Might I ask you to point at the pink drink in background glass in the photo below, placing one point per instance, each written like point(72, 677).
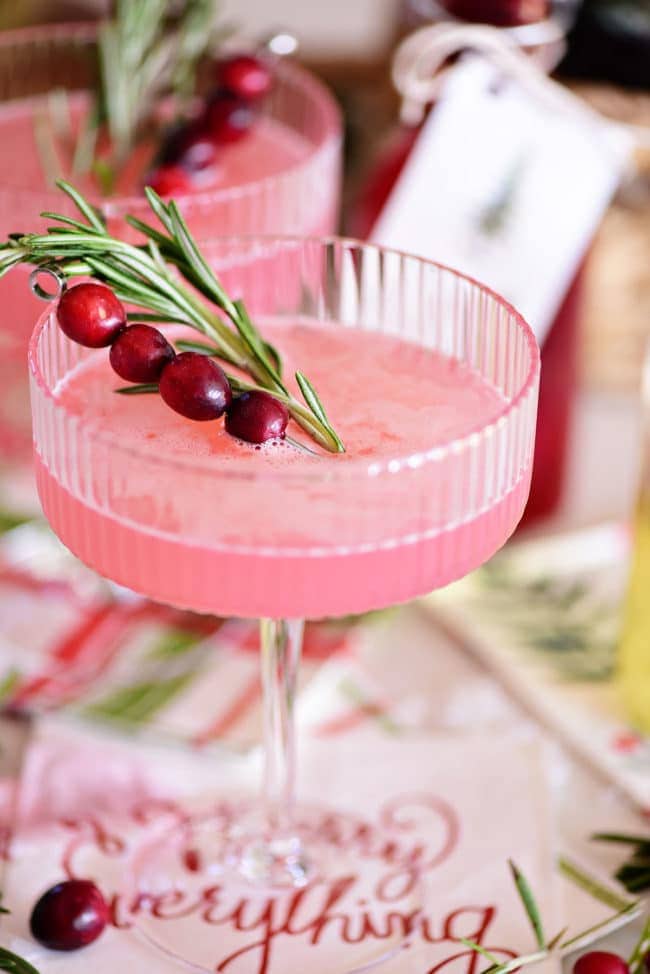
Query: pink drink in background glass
point(431, 380)
point(283, 177)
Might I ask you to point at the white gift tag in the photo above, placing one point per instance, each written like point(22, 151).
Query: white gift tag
point(505, 189)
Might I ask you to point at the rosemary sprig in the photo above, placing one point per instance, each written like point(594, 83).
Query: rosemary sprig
point(559, 945)
point(143, 54)
point(634, 874)
point(156, 276)
point(12, 962)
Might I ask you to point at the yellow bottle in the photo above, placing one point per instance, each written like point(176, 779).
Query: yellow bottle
point(634, 651)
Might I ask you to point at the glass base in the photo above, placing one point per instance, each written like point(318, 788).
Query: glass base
point(218, 894)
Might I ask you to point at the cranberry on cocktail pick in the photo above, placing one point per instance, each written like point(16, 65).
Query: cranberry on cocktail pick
point(69, 915)
point(228, 118)
point(170, 180)
point(195, 386)
point(91, 315)
point(140, 353)
point(245, 76)
point(191, 147)
point(257, 417)
point(600, 962)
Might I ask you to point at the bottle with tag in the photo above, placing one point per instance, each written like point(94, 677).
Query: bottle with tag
point(634, 650)
point(529, 24)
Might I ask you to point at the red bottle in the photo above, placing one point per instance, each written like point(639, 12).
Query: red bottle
point(560, 349)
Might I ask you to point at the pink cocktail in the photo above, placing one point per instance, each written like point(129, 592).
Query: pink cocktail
point(283, 177)
point(431, 381)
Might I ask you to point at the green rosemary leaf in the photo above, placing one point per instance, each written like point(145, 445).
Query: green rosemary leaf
point(480, 950)
point(256, 344)
point(603, 927)
point(642, 949)
point(528, 900)
point(200, 347)
point(274, 355)
point(621, 838)
point(140, 389)
point(70, 221)
point(159, 208)
point(590, 885)
point(311, 398)
point(557, 939)
point(94, 219)
point(197, 261)
point(147, 230)
point(14, 963)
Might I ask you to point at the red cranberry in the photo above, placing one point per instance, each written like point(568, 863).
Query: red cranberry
point(600, 962)
point(70, 915)
point(227, 117)
point(170, 181)
point(191, 147)
point(257, 417)
point(195, 386)
point(245, 76)
point(140, 353)
point(91, 315)
point(500, 13)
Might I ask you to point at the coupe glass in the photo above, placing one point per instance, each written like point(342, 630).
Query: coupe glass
point(301, 198)
point(334, 539)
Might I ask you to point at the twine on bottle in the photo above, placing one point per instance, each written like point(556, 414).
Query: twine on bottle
point(419, 67)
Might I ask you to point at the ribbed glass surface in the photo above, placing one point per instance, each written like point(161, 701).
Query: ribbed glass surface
point(305, 539)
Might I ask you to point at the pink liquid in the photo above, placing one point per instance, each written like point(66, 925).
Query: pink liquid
point(186, 514)
point(270, 148)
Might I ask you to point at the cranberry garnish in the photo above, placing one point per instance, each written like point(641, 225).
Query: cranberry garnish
point(600, 962)
point(70, 915)
point(227, 117)
point(257, 417)
point(500, 13)
point(195, 386)
point(140, 353)
point(245, 76)
point(91, 315)
point(170, 181)
point(191, 147)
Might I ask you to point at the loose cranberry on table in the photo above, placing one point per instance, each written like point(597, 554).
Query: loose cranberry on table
point(245, 76)
point(69, 915)
point(140, 353)
point(91, 315)
point(195, 386)
point(257, 417)
point(227, 117)
point(600, 962)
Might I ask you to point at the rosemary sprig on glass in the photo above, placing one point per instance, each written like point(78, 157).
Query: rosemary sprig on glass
point(156, 276)
point(143, 55)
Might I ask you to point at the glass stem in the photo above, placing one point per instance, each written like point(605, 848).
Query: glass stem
point(281, 644)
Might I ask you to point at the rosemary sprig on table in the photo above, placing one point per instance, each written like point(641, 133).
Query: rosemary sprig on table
point(560, 944)
point(634, 874)
point(15, 964)
point(155, 276)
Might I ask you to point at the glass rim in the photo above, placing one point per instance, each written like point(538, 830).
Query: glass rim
point(353, 467)
point(330, 139)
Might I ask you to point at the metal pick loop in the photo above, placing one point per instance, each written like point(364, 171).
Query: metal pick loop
point(40, 291)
